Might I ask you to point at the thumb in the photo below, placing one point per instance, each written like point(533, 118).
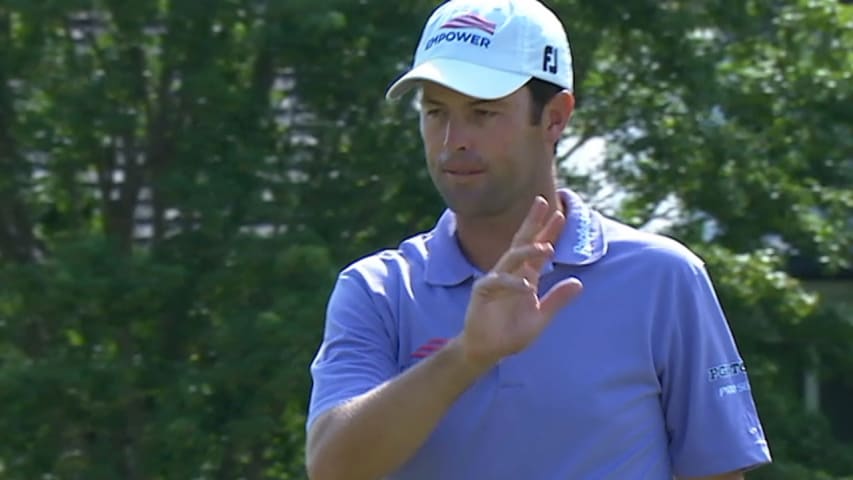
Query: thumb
point(558, 296)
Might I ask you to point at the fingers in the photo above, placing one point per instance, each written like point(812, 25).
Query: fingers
point(558, 296)
point(536, 227)
point(548, 235)
point(551, 232)
point(533, 243)
point(532, 224)
point(502, 281)
point(533, 254)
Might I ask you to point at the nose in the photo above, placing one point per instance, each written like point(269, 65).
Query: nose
point(457, 135)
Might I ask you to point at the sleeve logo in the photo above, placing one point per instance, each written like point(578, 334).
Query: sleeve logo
point(727, 370)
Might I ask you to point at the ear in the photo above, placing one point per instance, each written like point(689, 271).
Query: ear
point(556, 115)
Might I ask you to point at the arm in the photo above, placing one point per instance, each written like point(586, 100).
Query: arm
point(708, 406)
point(376, 432)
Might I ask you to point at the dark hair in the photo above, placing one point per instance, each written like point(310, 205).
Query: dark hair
point(541, 93)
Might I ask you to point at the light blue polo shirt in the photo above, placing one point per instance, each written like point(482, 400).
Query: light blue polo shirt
point(638, 378)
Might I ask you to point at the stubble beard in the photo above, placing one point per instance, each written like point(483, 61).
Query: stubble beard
point(475, 201)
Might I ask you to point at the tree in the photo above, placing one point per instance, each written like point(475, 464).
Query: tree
point(155, 312)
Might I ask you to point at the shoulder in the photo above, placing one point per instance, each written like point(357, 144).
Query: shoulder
point(628, 243)
point(369, 291)
point(378, 269)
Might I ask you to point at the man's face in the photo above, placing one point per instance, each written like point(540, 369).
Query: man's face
point(484, 157)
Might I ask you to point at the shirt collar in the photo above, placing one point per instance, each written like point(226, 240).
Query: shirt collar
point(446, 265)
point(581, 243)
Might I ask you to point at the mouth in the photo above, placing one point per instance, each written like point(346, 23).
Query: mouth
point(464, 172)
point(462, 165)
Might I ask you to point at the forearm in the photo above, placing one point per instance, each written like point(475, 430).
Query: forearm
point(376, 432)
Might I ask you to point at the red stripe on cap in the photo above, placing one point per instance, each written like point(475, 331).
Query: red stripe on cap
point(482, 21)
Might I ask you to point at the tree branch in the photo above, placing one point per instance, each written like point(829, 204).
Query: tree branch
point(585, 137)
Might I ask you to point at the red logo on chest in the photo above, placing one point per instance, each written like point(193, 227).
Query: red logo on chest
point(429, 347)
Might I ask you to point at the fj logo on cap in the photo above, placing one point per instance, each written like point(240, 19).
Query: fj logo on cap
point(549, 60)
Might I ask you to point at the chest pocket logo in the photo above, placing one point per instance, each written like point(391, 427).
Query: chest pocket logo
point(431, 346)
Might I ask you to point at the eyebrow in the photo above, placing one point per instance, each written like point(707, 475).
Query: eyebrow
point(473, 103)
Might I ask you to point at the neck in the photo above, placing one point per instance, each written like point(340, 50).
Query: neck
point(485, 239)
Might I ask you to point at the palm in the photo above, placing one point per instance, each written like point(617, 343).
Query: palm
point(515, 318)
point(505, 313)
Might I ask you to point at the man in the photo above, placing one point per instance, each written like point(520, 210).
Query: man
point(526, 336)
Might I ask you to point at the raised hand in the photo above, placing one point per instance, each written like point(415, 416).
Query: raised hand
point(505, 313)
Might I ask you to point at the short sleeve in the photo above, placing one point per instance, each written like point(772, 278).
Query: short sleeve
point(356, 353)
point(710, 414)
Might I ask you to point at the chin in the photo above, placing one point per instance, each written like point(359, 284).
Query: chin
point(471, 207)
point(471, 201)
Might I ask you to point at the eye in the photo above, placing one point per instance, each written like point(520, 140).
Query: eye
point(485, 113)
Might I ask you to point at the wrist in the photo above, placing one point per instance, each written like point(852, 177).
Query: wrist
point(466, 362)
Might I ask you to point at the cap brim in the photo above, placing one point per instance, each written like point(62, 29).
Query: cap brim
point(464, 77)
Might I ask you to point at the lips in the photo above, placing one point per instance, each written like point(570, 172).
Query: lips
point(464, 171)
point(462, 164)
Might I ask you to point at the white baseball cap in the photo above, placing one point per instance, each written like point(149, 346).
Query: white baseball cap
point(489, 48)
